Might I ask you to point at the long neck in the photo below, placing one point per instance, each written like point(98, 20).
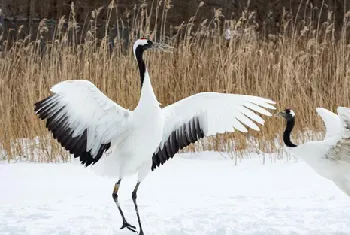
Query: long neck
point(147, 98)
point(287, 132)
point(141, 64)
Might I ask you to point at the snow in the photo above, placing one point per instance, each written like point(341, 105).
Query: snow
point(203, 193)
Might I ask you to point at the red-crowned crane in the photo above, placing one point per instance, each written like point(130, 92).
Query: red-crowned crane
point(87, 123)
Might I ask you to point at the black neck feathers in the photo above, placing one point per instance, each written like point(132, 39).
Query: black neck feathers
point(288, 131)
point(142, 67)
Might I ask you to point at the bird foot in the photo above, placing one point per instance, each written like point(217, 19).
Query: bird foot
point(141, 233)
point(128, 226)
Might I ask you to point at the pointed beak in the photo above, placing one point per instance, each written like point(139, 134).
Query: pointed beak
point(162, 47)
point(280, 114)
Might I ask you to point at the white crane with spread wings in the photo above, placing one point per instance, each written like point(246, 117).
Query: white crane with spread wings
point(87, 123)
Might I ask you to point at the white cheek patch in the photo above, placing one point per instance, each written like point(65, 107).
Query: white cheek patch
point(292, 113)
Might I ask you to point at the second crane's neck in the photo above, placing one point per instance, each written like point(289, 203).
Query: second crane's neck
point(147, 93)
point(287, 133)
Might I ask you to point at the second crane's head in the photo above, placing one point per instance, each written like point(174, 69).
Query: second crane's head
point(287, 114)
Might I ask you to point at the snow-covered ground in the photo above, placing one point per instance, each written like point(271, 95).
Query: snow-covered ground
point(191, 194)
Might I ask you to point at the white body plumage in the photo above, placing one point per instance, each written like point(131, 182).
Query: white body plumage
point(132, 151)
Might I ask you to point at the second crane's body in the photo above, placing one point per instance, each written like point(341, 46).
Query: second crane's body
point(330, 157)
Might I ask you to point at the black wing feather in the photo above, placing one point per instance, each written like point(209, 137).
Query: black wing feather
point(183, 136)
point(63, 134)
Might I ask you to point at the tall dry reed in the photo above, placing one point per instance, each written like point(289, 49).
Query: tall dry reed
point(304, 67)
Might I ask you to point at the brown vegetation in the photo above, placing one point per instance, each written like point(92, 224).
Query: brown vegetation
point(301, 69)
point(267, 13)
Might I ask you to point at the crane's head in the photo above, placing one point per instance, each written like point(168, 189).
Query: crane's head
point(288, 114)
point(144, 44)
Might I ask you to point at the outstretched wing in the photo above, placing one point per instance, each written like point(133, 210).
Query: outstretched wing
point(331, 121)
point(205, 114)
point(337, 138)
point(344, 115)
point(82, 119)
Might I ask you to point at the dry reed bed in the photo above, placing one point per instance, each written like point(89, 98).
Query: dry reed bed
point(303, 70)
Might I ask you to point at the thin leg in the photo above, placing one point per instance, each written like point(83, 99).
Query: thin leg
point(115, 198)
point(134, 196)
